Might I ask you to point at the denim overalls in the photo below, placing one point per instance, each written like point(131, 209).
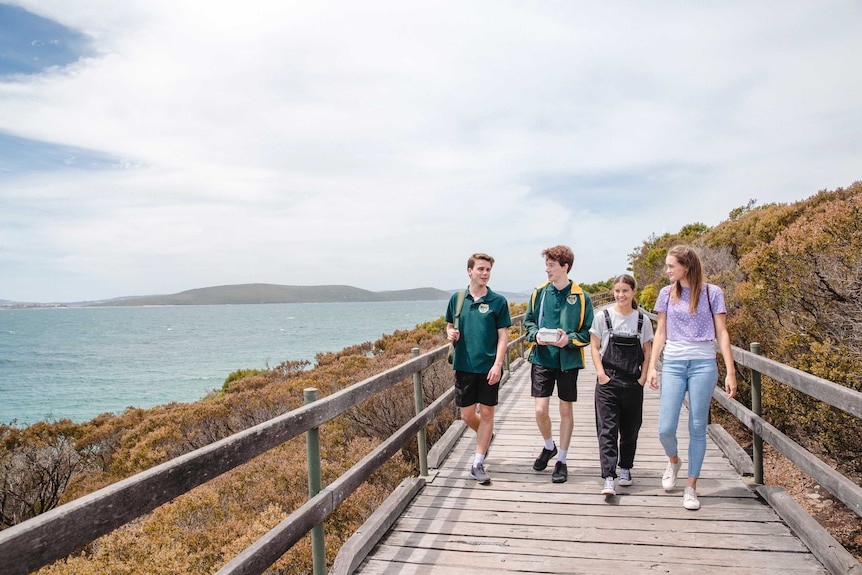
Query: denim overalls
point(619, 402)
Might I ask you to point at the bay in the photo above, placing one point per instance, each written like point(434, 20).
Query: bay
point(79, 362)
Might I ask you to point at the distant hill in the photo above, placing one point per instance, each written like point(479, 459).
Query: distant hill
point(266, 293)
point(272, 293)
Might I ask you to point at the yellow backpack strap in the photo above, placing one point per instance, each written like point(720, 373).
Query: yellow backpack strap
point(532, 344)
point(576, 289)
point(535, 293)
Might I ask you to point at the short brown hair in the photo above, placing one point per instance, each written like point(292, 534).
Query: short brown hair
point(563, 255)
point(471, 261)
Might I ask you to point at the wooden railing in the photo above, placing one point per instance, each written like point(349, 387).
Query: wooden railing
point(602, 298)
point(57, 533)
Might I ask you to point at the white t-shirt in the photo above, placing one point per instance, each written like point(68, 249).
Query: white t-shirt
point(623, 325)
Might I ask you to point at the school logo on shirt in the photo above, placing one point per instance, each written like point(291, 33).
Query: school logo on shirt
point(572, 298)
point(483, 308)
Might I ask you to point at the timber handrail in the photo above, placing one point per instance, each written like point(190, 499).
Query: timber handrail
point(844, 398)
point(55, 534)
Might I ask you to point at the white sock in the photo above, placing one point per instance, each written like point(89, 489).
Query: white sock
point(480, 458)
point(561, 456)
point(549, 444)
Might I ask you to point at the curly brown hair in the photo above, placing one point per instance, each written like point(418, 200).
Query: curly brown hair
point(563, 255)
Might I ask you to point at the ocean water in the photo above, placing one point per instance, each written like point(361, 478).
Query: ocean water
point(77, 362)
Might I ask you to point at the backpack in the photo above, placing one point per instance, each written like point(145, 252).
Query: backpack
point(459, 303)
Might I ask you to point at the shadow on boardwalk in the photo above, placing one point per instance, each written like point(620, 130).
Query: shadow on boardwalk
point(523, 523)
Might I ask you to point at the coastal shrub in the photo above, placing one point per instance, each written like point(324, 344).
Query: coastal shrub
point(36, 465)
point(647, 296)
point(598, 287)
point(239, 374)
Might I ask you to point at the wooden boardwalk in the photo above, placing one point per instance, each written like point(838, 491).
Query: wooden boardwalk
point(523, 523)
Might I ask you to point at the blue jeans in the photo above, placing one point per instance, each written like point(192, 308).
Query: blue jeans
point(697, 377)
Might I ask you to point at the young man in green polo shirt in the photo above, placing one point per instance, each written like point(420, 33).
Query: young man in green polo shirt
point(480, 341)
point(564, 313)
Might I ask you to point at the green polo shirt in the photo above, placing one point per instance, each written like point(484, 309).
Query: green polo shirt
point(476, 350)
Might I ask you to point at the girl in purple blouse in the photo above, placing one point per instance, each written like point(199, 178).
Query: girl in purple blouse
point(691, 317)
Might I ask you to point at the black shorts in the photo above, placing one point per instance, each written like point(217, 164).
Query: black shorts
point(473, 388)
point(544, 378)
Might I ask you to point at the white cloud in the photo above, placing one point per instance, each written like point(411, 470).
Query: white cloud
point(379, 144)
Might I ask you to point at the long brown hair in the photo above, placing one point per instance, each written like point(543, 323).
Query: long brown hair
point(630, 281)
point(688, 258)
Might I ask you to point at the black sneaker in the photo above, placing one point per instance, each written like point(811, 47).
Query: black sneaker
point(544, 457)
point(561, 473)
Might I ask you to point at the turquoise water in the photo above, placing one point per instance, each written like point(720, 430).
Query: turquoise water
point(77, 363)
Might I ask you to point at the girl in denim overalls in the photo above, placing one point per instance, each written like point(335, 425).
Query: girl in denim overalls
point(621, 339)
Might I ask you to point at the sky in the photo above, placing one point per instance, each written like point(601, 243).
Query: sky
point(154, 146)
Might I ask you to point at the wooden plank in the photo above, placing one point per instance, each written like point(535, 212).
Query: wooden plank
point(648, 534)
point(645, 509)
point(734, 452)
point(608, 520)
point(444, 445)
point(579, 488)
point(569, 559)
point(356, 548)
point(575, 567)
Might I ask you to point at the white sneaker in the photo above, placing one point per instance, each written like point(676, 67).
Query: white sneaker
point(668, 480)
point(478, 473)
point(625, 477)
point(608, 489)
point(689, 499)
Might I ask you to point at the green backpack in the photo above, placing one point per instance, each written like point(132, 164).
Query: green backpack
point(458, 305)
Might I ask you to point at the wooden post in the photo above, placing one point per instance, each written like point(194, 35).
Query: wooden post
point(756, 407)
point(420, 405)
point(312, 445)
